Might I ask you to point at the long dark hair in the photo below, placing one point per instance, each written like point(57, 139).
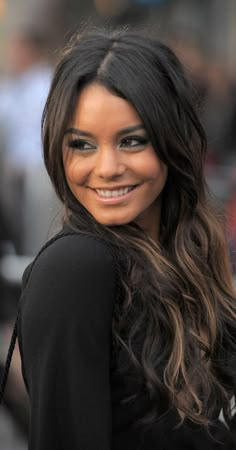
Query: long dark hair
point(181, 288)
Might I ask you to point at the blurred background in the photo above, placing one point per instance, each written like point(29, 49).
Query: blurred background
point(203, 33)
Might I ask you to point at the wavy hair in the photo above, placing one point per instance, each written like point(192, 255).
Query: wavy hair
point(179, 291)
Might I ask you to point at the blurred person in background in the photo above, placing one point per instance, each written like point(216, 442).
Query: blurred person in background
point(214, 93)
point(22, 98)
point(127, 317)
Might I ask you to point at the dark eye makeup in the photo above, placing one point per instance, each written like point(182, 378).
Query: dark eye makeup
point(133, 141)
point(80, 144)
point(129, 142)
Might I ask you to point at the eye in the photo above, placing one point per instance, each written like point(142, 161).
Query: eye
point(80, 145)
point(134, 142)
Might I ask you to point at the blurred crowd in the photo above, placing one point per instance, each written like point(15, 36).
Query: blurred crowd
point(29, 210)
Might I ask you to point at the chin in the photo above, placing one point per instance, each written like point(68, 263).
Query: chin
point(112, 222)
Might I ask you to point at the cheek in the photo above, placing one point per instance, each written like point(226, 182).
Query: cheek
point(71, 173)
point(74, 171)
point(157, 173)
point(150, 168)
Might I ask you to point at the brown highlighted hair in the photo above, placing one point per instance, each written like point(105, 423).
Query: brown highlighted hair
point(177, 293)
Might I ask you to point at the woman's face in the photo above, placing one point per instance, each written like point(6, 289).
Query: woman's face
point(110, 164)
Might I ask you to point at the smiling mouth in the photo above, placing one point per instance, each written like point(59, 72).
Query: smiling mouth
point(112, 193)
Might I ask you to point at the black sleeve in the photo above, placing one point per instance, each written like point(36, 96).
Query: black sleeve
point(65, 342)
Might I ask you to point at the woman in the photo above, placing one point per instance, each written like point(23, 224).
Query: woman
point(127, 316)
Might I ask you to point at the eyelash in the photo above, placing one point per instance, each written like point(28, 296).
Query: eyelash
point(77, 144)
point(141, 141)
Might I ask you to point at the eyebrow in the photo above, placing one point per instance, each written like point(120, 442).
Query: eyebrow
point(119, 133)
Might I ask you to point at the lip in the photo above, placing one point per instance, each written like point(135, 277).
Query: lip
point(114, 188)
point(114, 200)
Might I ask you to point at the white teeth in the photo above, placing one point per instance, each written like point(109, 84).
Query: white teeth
point(108, 193)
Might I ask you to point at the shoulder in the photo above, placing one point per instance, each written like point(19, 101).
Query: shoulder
point(71, 265)
point(73, 280)
point(72, 251)
point(72, 245)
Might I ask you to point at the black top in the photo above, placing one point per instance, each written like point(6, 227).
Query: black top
point(68, 362)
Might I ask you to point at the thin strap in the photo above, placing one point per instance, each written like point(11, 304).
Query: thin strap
point(233, 426)
point(14, 333)
point(8, 361)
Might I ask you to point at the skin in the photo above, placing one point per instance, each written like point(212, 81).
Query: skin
point(100, 153)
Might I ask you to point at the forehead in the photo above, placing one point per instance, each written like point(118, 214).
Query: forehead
point(96, 105)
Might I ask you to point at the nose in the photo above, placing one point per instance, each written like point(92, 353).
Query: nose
point(109, 163)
